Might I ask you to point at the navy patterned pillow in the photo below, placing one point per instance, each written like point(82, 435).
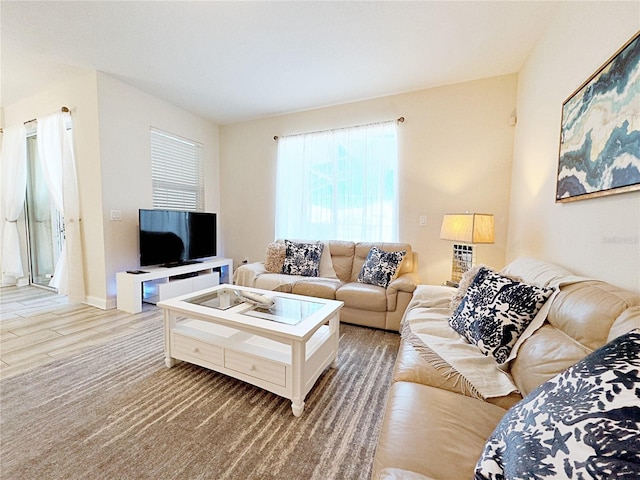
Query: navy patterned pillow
point(583, 423)
point(302, 258)
point(380, 267)
point(495, 311)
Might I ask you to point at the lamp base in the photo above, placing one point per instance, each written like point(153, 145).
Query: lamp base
point(463, 259)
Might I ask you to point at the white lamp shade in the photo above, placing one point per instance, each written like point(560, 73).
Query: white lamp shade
point(468, 228)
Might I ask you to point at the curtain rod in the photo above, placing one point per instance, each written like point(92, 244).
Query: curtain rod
point(398, 120)
point(63, 109)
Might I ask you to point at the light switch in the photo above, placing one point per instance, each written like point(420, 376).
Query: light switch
point(423, 220)
point(116, 215)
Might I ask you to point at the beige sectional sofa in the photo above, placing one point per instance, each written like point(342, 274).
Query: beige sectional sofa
point(364, 304)
point(435, 427)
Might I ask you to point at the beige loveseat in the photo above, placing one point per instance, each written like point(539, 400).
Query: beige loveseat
point(364, 304)
point(433, 426)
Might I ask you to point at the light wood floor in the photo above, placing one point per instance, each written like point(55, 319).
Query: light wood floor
point(37, 326)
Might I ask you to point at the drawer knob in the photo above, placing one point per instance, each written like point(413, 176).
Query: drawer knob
point(195, 349)
point(252, 368)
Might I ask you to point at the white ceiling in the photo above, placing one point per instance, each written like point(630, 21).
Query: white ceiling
point(236, 60)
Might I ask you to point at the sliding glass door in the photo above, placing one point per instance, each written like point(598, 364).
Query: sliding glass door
point(45, 229)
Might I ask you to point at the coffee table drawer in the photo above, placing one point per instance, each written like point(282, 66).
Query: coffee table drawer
point(183, 346)
point(257, 367)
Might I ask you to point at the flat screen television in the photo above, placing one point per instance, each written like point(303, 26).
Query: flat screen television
point(175, 237)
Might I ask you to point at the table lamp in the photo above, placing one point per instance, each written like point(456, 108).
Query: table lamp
point(466, 229)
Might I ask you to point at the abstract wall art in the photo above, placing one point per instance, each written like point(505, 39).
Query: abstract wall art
point(600, 132)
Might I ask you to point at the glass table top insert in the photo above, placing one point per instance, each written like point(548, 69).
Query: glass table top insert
point(283, 310)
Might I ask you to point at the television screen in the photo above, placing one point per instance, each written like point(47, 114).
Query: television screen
point(174, 237)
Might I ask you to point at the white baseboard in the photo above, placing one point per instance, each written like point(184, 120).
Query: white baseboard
point(101, 302)
point(9, 281)
point(111, 303)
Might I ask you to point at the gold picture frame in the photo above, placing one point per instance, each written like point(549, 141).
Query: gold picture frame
point(600, 131)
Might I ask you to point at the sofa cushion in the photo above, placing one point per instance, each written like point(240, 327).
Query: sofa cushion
point(537, 272)
point(363, 296)
point(585, 310)
point(317, 287)
point(277, 282)
point(627, 321)
point(584, 315)
point(342, 253)
point(495, 311)
point(426, 327)
point(410, 366)
point(380, 267)
point(326, 270)
point(302, 258)
point(433, 432)
point(274, 258)
point(543, 356)
point(583, 423)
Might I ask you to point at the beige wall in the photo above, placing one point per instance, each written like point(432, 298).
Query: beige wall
point(594, 237)
point(455, 155)
point(126, 116)
point(81, 97)
point(111, 123)
point(456, 150)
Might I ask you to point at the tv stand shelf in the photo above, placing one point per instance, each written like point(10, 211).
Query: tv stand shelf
point(171, 281)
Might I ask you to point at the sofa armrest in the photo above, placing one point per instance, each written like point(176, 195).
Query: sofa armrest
point(245, 275)
point(407, 282)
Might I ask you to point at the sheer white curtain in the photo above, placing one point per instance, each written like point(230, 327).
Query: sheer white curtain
point(14, 185)
point(55, 151)
point(339, 184)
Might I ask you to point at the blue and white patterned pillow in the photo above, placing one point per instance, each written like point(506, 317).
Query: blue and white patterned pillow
point(302, 258)
point(495, 311)
point(380, 267)
point(583, 423)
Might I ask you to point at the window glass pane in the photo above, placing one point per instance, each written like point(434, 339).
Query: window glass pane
point(45, 224)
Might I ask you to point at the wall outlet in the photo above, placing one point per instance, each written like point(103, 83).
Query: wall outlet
point(116, 215)
point(422, 221)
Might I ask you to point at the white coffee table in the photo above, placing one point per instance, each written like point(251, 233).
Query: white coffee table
point(283, 349)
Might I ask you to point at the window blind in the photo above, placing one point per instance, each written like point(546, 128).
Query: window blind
point(176, 172)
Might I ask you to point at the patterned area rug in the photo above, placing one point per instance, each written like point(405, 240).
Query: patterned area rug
point(117, 412)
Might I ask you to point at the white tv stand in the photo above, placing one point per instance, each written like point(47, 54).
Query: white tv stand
point(168, 282)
